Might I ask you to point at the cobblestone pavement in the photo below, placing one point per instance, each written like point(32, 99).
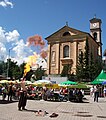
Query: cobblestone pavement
point(88, 110)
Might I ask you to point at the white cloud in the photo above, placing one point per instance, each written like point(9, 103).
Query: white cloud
point(2, 51)
point(6, 3)
point(21, 51)
point(12, 36)
point(2, 35)
point(10, 39)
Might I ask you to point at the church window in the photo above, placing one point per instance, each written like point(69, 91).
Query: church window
point(66, 51)
point(66, 33)
point(53, 56)
point(95, 36)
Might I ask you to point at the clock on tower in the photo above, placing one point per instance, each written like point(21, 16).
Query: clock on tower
point(95, 31)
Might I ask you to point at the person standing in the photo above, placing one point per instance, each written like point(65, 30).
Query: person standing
point(92, 91)
point(96, 93)
point(10, 92)
point(23, 96)
point(104, 92)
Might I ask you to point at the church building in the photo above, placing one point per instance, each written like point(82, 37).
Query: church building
point(65, 45)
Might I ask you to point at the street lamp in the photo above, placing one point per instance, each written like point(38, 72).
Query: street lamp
point(8, 62)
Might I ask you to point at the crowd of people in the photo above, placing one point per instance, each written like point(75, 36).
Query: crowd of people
point(22, 92)
point(15, 91)
point(95, 92)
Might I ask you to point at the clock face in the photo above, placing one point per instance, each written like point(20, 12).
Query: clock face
point(94, 24)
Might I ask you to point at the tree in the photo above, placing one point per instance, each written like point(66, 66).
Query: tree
point(2, 68)
point(66, 72)
point(87, 68)
point(92, 68)
point(39, 73)
point(22, 69)
point(86, 60)
point(80, 67)
point(13, 69)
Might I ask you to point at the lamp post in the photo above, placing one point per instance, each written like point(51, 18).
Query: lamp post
point(8, 63)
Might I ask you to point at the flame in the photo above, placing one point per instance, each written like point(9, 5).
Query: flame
point(31, 61)
point(26, 69)
point(35, 40)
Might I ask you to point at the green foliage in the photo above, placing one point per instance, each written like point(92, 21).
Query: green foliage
point(86, 60)
point(3, 68)
point(80, 67)
point(11, 69)
point(16, 71)
point(39, 73)
point(87, 68)
point(66, 70)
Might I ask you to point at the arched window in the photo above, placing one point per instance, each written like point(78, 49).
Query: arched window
point(66, 33)
point(95, 36)
point(66, 51)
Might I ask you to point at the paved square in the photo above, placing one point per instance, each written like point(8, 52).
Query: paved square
point(88, 110)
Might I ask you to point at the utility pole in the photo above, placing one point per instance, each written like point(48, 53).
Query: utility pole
point(8, 62)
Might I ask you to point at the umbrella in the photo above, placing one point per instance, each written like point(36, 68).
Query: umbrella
point(96, 82)
point(43, 82)
point(100, 78)
point(28, 82)
point(104, 83)
point(11, 81)
point(67, 83)
point(4, 81)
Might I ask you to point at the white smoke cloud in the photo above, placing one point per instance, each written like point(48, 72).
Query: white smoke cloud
point(6, 3)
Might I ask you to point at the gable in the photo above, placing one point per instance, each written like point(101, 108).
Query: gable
point(66, 31)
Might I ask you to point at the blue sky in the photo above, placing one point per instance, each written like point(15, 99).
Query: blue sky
point(20, 19)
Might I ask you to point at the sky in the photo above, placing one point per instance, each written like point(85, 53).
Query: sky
point(21, 19)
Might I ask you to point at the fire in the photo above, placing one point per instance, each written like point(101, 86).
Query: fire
point(35, 40)
point(26, 69)
point(31, 61)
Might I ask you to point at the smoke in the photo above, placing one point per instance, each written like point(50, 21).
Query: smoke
point(36, 40)
point(43, 54)
point(35, 59)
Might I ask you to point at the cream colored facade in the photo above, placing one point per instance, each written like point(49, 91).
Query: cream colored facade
point(64, 47)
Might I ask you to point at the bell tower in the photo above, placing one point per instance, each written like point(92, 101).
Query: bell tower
point(95, 31)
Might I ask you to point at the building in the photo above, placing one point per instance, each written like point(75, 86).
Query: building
point(65, 45)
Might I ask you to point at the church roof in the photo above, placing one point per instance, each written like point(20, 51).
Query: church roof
point(68, 30)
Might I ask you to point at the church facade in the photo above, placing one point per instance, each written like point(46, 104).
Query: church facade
point(65, 45)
